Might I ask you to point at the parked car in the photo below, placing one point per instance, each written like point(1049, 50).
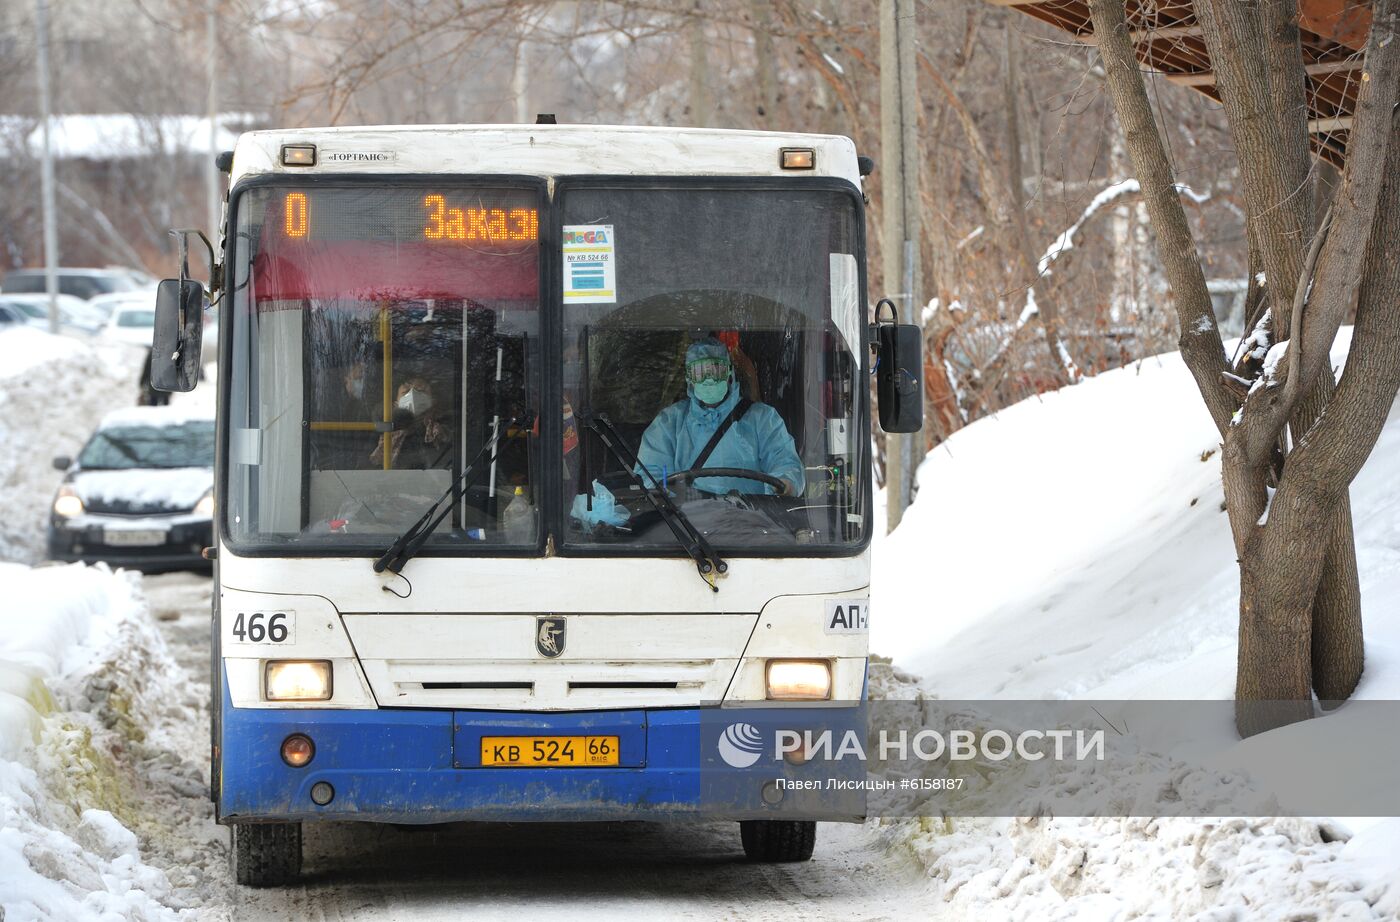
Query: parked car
point(209, 351)
point(106, 304)
point(11, 316)
point(132, 324)
point(72, 312)
point(140, 493)
point(80, 283)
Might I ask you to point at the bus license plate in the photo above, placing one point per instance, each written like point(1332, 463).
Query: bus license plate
point(548, 751)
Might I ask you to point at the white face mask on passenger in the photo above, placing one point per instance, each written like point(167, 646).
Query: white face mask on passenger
point(416, 402)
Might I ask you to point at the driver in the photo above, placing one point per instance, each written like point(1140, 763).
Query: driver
point(756, 440)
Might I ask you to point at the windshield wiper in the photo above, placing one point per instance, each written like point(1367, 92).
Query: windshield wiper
point(707, 562)
point(409, 543)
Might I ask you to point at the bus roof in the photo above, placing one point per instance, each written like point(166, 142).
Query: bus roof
point(543, 150)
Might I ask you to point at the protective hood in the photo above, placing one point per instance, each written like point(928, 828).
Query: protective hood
point(724, 396)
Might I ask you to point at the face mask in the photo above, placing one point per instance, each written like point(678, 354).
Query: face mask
point(356, 386)
point(711, 393)
point(415, 401)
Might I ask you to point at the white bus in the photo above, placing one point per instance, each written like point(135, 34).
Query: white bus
point(540, 446)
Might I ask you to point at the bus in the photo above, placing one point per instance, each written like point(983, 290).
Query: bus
point(543, 450)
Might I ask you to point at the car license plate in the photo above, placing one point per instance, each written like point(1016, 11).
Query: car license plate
point(548, 751)
point(117, 537)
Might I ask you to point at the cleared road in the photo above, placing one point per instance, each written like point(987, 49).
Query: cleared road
point(524, 871)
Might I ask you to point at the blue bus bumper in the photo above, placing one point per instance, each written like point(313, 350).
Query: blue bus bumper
point(423, 766)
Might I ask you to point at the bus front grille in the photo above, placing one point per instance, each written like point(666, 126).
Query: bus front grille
point(491, 661)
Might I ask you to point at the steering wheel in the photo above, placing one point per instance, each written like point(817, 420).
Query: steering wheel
point(620, 479)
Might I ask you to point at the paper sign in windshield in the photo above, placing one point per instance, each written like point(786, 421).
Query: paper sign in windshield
point(590, 264)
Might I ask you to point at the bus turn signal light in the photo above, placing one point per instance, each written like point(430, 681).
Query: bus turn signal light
point(297, 750)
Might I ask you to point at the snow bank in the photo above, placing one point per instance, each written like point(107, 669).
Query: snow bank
point(79, 656)
point(27, 348)
point(1146, 868)
point(1074, 546)
point(1078, 549)
point(53, 391)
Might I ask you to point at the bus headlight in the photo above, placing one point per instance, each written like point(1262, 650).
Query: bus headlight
point(67, 503)
point(205, 506)
point(799, 680)
point(297, 680)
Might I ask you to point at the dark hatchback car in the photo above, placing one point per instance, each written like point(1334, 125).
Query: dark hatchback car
point(140, 493)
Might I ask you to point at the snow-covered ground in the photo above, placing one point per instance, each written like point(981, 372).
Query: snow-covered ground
point(53, 391)
point(1080, 551)
point(88, 697)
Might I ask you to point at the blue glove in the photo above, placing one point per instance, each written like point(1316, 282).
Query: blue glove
point(605, 509)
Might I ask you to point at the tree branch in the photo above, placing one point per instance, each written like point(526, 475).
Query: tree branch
point(1330, 455)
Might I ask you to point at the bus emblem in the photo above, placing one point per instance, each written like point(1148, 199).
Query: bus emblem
point(549, 636)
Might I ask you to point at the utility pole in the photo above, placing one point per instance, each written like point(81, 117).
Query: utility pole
point(899, 149)
point(211, 171)
point(46, 182)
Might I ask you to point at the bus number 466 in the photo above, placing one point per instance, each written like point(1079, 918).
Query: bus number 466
point(259, 627)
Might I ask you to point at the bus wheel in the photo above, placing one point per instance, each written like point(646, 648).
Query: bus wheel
point(772, 841)
point(266, 854)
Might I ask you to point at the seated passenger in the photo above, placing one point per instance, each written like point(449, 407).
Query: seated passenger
point(420, 440)
point(757, 441)
point(348, 400)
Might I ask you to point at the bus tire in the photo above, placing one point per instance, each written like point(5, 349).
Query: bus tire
point(266, 854)
point(773, 841)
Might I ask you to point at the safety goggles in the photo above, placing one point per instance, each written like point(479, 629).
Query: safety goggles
point(707, 369)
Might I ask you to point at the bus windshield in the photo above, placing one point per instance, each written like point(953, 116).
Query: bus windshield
point(387, 337)
point(716, 328)
point(384, 337)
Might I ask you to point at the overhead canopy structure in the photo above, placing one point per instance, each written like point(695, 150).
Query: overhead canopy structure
point(1168, 39)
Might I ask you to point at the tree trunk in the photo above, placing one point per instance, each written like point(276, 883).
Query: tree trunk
point(1337, 644)
point(1299, 600)
point(699, 89)
point(764, 62)
point(1272, 685)
point(1282, 217)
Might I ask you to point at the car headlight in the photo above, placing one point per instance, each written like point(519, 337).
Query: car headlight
point(297, 680)
point(205, 506)
point(67, 503)
point(799, 679)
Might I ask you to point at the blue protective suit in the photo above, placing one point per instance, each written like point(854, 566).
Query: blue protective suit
point(758, 442)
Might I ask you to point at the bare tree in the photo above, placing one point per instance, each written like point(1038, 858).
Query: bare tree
point(1287, 499)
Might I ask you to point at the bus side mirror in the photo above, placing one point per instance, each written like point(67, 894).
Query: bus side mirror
point(178, 335)
point(899, 372)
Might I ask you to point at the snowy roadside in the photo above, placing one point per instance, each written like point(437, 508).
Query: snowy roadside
point(1080, 552)
point(1162, 867)
point(53, 391)
point(99, 747)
